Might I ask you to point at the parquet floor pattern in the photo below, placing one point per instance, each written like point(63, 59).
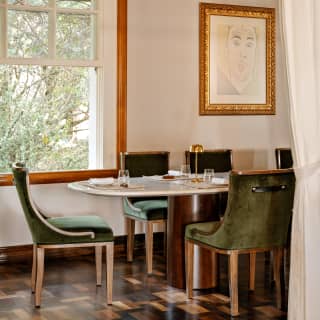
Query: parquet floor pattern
point(70, 293)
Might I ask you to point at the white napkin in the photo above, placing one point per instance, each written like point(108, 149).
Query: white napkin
point(217, 180)
point(103, 181)
point(174, 173)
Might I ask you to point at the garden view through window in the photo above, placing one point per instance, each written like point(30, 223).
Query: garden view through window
point(48, 83)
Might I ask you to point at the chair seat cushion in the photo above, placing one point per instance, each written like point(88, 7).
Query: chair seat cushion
point(153, 209)
point(103, 232)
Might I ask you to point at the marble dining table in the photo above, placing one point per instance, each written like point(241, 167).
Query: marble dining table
point(188, 202)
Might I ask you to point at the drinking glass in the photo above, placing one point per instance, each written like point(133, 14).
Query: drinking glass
point(123, 178)
point(185, 170)
point(208, 175)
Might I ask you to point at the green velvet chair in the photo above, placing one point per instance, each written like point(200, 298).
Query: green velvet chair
point(284, 161)
point(218, 159)
point(146, 210)
point(283, 158)
point(256, 220)
point(62, 232)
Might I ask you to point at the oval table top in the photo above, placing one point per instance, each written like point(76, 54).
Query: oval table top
point(149, 187)
point(188, 202)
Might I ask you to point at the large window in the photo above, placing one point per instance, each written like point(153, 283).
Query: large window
point(52, 84)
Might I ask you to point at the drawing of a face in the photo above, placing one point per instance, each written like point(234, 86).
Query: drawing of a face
point(241, 55)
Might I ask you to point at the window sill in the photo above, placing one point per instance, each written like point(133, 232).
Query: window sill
point(60, 176)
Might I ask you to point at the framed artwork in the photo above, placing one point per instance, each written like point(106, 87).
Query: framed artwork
point(237, 60)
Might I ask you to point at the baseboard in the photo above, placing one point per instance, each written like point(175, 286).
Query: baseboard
point(24, 252)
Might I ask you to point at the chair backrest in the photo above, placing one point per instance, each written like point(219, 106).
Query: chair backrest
point(283, 158)
point(145, 163)
point(259, 210)
point(33, 216)
point(220, 160)
point(42, 230)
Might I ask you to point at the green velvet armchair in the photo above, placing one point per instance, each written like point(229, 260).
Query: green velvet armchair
point(146, 210)
point(256, 219)
point(284, 161)
point(62, 232)
point(283, 158)
point(219, 159)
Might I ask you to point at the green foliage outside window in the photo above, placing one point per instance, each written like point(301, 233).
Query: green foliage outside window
point(44, 114)
point(44, 110)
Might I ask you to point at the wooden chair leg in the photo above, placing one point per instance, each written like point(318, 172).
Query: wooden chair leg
point(39, 276)
point(252, 271)
point(278, 273)
point(149, 245)
point(130, 238)
point(272, 262)
point(34, 269)
point(98, 254)
point(165, 239)
point(189, 256)
point(282, 267)
point(109, 276)
point(286, 262)
point(233, 283)
point(215, 271)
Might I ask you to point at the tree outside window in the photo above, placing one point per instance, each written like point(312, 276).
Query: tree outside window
point(48, 74)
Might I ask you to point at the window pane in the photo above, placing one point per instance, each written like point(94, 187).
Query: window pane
point(2, 32)
point(75, 36)
point(27, 34)
point(75, 4)
point(44, 116)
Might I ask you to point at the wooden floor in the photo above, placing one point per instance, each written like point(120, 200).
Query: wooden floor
point(70, 293)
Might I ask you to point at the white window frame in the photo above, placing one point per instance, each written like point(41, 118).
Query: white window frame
point(103, 122)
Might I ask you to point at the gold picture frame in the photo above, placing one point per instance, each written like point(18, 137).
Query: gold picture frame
point(237, 60)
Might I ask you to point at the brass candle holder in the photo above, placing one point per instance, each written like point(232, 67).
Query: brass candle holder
point(196, 148)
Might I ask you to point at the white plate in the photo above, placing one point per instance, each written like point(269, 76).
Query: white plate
point(222, 181)
point(101, 181)
point(113, 186)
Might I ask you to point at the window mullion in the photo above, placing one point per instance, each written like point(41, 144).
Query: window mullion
point(100, 111)
point(99, 26)
point(76, 11)
point(3, 31)
point(51, 62)
point(52, 29)
point(26, 8)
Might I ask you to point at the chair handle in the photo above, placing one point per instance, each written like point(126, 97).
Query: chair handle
point(21, 167)
point(90, 234)
point(196, 231)
point(269, 188)
point(131, 206)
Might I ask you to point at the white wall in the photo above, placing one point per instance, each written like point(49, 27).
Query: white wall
point(163, 92)
point(163, 112)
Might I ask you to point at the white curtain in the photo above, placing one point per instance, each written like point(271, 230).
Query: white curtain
point(301, 35)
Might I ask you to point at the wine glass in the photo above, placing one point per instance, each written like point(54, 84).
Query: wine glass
point(208, 175)
point(123, 178)
point(185, 170)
